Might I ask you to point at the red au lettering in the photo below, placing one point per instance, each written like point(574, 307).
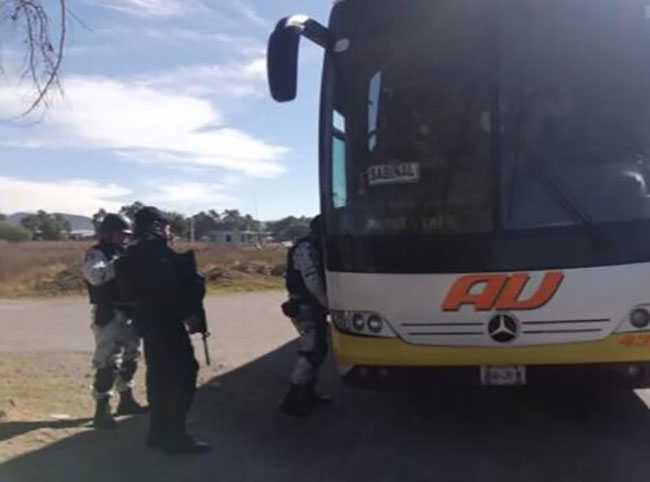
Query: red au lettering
point(501, 292)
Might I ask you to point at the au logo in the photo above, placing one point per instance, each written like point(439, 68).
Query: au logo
point(501, 291)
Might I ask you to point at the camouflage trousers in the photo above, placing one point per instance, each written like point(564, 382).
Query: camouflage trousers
point(311, 324)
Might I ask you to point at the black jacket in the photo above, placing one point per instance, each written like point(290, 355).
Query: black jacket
point(152, 277)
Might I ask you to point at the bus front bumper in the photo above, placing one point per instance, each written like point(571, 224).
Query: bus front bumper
point(587, 376)
point(621, 360)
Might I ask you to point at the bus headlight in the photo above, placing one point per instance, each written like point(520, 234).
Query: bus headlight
point(339, 320)
point(362, 323)
point(375, 323)
point(358, 323)
point(640, 318)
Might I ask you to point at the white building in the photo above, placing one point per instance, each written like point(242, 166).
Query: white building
point(239, 238)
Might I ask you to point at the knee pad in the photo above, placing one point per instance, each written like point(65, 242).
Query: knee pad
point(104, 379)
point(128, 369)
point(303, 371)
point(308, 341)
point(310, 356)
point(314, 348)
point(320, 350)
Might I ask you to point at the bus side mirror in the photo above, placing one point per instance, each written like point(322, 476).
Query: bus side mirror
point(282, 55)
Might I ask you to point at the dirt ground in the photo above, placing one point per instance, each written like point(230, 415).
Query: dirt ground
point(46, 352)
point(442, 434)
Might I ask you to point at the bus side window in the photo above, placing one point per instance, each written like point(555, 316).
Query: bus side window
point(339, 164)
point(374, 91)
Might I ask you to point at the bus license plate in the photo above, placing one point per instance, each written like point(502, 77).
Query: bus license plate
point(503, 375)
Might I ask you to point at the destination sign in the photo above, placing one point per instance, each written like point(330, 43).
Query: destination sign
point(393, 173)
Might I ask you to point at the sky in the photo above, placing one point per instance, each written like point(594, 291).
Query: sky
point(165, 102)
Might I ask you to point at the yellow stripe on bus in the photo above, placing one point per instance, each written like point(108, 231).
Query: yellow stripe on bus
point(358, 350)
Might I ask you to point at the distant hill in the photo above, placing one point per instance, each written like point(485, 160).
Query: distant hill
point(16, 217)
point(77, 223)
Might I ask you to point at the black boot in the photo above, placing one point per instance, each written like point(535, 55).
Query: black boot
point(317, 399)
point(296, 402)
point(103, 419)
point(184, 445)
point(157, 429)
point(128, 405)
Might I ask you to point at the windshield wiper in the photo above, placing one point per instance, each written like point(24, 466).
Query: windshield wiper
point(535, 163)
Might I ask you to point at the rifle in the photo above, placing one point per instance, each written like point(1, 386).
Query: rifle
point(194, 285)
point(206, 351)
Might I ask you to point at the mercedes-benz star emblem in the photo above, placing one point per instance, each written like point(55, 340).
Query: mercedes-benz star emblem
point(503, 328)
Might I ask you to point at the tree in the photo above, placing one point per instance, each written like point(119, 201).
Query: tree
point(289, 228)
point(43, 51)
point(3, 217)
point(205, 223)
point(11, 232)
point(98, 217)
point(130, 210)
point(250, 224)
point(50, 227)
point(231, 220)
point(178, 224)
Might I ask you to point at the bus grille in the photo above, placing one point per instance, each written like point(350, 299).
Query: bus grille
point(529, 332)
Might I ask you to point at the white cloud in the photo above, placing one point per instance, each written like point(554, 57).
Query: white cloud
point(232, 13)
point(145, 123)
point(236, 79)
point(189, 191)
point(74, 196)
point(236, 15)
point(236, 45)
point(191, 195)
point(251, 168)
point(256, 68)
point(150, 8)
point(247, 11)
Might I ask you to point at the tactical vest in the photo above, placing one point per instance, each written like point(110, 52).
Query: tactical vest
point(293, 279)
point(104, 296)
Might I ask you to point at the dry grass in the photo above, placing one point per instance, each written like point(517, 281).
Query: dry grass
point(24, 265)
point(53, 268)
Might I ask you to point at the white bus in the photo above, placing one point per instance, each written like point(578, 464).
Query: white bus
point(484, 179)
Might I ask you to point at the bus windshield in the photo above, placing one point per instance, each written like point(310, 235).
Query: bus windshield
point(473, 117)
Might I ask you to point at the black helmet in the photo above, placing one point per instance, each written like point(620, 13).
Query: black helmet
point(113, 223)
point(146, 217)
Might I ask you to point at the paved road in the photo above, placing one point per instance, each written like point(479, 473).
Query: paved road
point(243, 326)
point(442, 435)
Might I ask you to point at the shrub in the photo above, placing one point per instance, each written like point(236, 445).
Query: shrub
point(10, 232)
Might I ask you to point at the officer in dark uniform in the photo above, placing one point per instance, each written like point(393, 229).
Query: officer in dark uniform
point(117, 345)
point(166, 307)
point(307, 308)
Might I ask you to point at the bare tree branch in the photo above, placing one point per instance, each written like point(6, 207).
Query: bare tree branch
point(43, 57)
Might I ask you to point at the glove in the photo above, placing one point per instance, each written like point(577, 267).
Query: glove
point(289, 309)
point(196, 323)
